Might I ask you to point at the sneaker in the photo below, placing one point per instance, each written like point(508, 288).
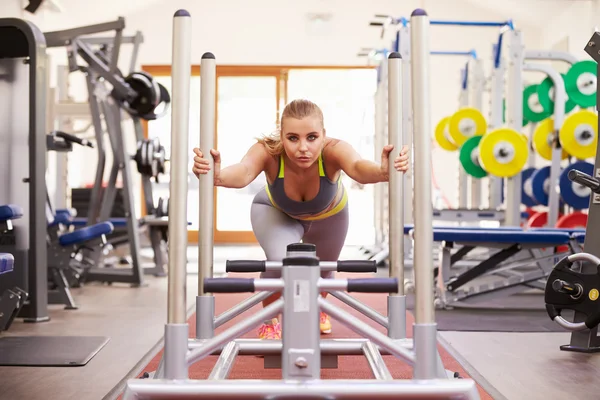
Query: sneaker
point(325, 323)
point(270, 331)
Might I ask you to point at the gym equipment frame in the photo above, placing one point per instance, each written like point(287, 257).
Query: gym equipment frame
point(23, 161)
point(109, 106)
point(301, 349)
point(584, 327)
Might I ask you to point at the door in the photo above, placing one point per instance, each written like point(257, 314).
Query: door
point(247, 108)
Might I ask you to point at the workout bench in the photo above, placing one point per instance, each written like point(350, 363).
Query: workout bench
point(523, 260)
point(64, 252)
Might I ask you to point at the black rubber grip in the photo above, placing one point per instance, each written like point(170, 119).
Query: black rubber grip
point(304, 247)
point(584, 179)
point(552, 312)
point(356, 266)
point(376, 23)
point(228, 285)
point(592, 321)
point(373, 285)
point(245, 266)
point(73, 139)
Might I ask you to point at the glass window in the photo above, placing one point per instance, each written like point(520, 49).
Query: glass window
point(347, 98)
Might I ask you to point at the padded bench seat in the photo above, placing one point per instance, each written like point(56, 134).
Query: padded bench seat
point(122, 222)
point(85, 234)
point(409, 227)
point(10, 211)
point(7, 262)
point(542, 237)
point(579, 236)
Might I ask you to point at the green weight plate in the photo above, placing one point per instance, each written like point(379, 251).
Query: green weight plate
point(532, 109)
point(580, 83)
point(545, 91)
point(469, 157)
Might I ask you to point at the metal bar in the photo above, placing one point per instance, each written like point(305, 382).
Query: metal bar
point(137, 41)
point(376, 363)
point(551, 55)
point(115, 51)
point(396, 182)
point(225, 362)
point(90, 57)
point(360, 307)
point(500, 24)
point(178, 186)
point(273, 285)
point(514, 120)
point(110, 39)
point(459, 389)
point(368, 332)
point(326, 285)
point(425, 328)
point(239, 308)
point(340, 347)
point(471, 53)
point(235, 331)
point(61, 38)
point(423, 212)
point(208, 89)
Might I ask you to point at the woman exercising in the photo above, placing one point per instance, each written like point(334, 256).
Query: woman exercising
point(304, 198)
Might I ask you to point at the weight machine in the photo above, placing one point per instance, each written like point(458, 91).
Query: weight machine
point(300, 349)
point(23, 162)
point(574, 283)
point(111, 93)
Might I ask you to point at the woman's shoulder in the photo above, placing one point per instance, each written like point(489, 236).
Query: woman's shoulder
point(332, 146)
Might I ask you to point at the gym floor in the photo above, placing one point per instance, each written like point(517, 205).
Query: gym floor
point(507, 365)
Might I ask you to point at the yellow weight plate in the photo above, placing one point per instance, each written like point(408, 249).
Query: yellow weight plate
point(579, 134)
point(465, 123)
point(442, 136)
point(542, 139)
point(503, 152)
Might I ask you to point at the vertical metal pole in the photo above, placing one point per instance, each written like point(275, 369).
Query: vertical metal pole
point(177, 330)
point(205, 302)
point(463, 178)
point(476, 84)
point(62, 195)
point(380, 109)
point(407, 122)
point(425, 328)
point(396, 303)
point(514, 119)
point(496, 121)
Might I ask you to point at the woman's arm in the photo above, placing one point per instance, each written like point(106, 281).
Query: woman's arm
point(361, 170)
point(365, 171)
point(240, 175)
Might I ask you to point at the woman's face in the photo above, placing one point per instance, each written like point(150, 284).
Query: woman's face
point(302, 140)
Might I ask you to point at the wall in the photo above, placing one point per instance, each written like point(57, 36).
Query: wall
point(576, 21)
point(277, 32)
point(11, 8)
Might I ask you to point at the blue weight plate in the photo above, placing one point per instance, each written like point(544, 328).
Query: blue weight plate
point(573, 194)
point(538, 179)
point(526, 200)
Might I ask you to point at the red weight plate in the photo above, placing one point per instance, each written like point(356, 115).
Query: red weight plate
point(573, 220)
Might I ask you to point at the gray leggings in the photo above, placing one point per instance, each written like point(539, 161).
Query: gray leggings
point(274, 230)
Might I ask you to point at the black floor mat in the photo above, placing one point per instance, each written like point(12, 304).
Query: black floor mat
point(49, 351)
point(517, 313)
